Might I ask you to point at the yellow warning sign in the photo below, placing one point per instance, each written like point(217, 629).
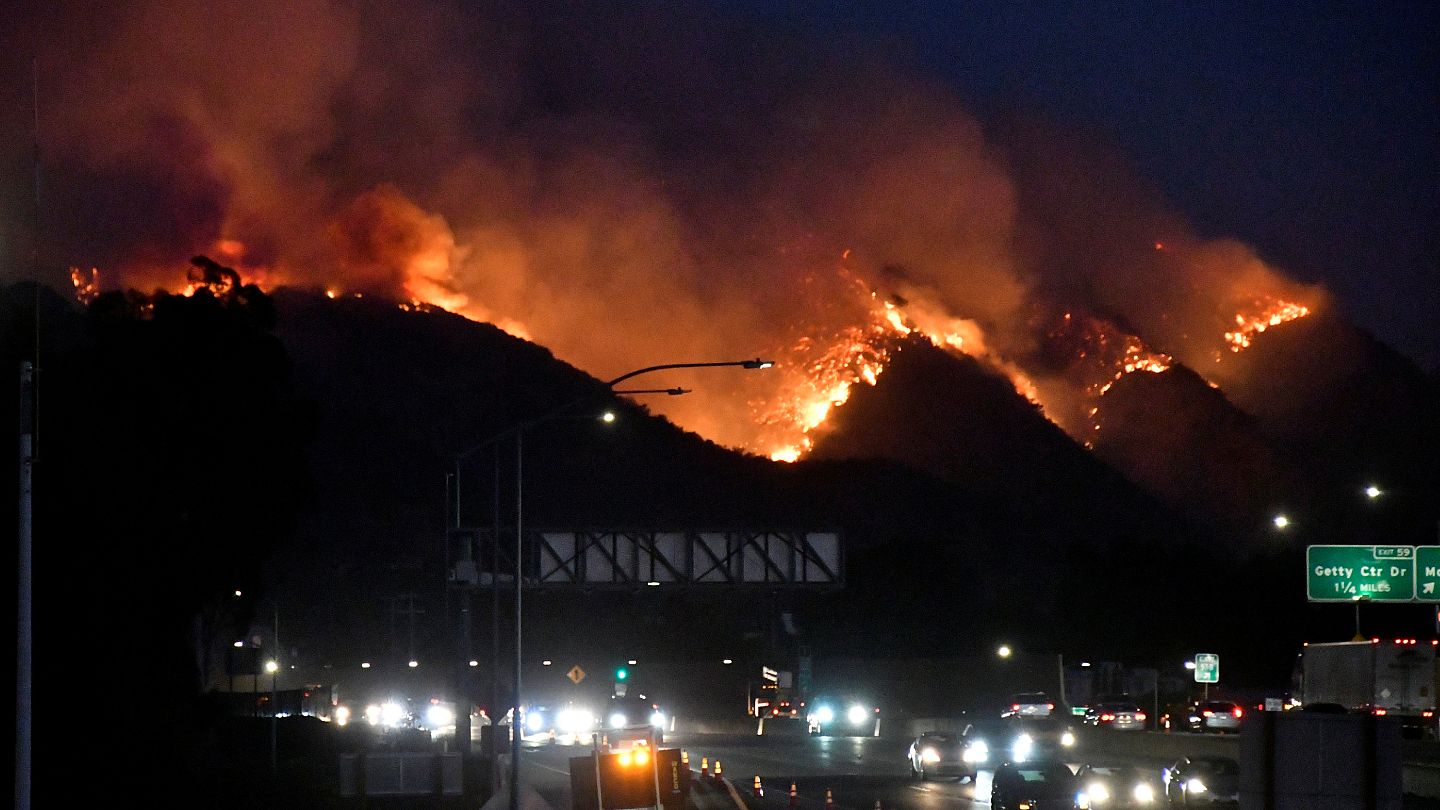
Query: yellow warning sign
point(576, 674)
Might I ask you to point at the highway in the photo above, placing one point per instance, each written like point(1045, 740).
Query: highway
point(858, 772)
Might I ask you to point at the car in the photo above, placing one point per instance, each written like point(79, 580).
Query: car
point(569, 723)
point(843, 716)
point(1219, 716)
point(945, 753)
point(1021, 739)
point(635, 718)
point(1029, 704)
point(1103, 786)
point(1120, 715)
point(1038, 785)
point(1202, 782)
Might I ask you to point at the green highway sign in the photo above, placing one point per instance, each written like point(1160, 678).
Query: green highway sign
point(1207, 668)
point(1427, 573)
point(1351, 573)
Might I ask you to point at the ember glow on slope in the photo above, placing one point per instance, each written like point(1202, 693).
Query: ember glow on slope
point(654, 206)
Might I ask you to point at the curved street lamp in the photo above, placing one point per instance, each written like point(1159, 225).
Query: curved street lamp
point(518, 431)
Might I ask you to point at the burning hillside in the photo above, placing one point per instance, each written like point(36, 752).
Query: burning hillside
point(818, 219)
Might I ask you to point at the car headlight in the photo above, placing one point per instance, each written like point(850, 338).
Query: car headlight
point(372, 714)
point(618, 720)
point(1021, 749)
point(658, 719)
point(1195, 786)
point(574, 721)
point(437, 716)
point(823, 714)
point(391, 714)
point(534, 721)
point(1143, 793)
point(977, 751)
point(1097, 793)
point(856, 714)
point(1067, 739)
point(930, 755)
point(342, 715)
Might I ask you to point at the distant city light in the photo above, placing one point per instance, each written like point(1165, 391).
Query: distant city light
point(631, 662)
point(1281, 521)
point(1372, 492)
point(607, 417)
point(271, 667)
point(239, 644)
point(1189, 664)
point(237, 591)
point(652, 583)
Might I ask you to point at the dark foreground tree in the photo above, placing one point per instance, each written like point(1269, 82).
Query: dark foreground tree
point(171, 465)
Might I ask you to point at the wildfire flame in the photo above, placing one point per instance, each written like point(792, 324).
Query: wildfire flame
point(1271, 313)
point(87, 284)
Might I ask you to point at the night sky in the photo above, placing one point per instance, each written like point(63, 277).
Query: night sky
point(1310, 131)
point(1306, 131)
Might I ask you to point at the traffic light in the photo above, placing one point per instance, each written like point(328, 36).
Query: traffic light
point(621, 673)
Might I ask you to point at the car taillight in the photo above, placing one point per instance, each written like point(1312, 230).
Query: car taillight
point(1206, 713)
point(1428, 713)
point(1050, 706)
point(1239, 712)
point(1107, 717)
point(1139, 715)
point(1381, 712)
point(1015, 707)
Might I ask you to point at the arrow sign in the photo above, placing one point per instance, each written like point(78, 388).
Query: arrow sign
point(576, 674)
point(769, 674)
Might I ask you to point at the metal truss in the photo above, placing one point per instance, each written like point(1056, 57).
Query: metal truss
point(635, 559)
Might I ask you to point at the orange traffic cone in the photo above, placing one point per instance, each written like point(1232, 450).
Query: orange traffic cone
point(685, 758)
point(759, 791)
point(704, 767)
point(793, 799)
point(719, 772)
point(829, 800)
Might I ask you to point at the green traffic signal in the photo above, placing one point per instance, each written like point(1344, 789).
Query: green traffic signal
point(621, 674)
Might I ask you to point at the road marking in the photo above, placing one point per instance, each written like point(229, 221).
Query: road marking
point(739, 802)
point(548, 768)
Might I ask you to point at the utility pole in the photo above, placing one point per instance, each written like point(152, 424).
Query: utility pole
point(24, 642)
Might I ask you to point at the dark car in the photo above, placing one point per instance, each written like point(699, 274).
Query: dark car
point(1121, 715)
point(939, 753)
point(1019, 739)
point(1203, 782)
point(1100, 787)
point(1029, 704)
point(1219, 716)
point(1037, 785)
point(843, 716)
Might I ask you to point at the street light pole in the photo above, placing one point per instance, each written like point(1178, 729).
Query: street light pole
point(516, 730)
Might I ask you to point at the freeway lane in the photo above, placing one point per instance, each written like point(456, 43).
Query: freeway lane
point(857, 771)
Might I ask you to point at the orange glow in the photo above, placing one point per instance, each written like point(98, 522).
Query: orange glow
point(87, 284)
point(1270, 313)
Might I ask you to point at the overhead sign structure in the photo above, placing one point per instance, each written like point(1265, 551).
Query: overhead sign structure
point(1373, 573)
point(576, 674)
point(1427, 573)
point(1207, 668)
